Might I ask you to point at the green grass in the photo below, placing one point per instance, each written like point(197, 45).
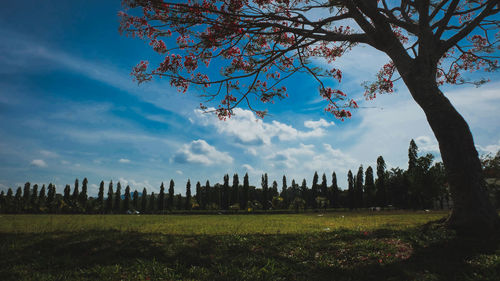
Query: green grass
point(333, 246)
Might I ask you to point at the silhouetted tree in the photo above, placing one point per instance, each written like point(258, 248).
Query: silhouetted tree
point(265, 195)
point(135, 200)
point(26, 196)
point(350, 190)
point(100, 197)
point(161, 199)
point(170, 201)
point(334, 200)
point(67, 194)
point(235, 189)
point(109, 199)
point(199, 193)
point(83, 195)
point(246, 187)
point(126, 199)
point(144, 200)
point(76, 192)
point(42, 197)
point(118, 198)
point(311, 200)
point(34, 199)
point(381, 193)
point(358, 188)
point(369, 188)
point(188, 196)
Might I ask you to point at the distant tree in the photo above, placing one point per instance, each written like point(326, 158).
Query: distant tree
point(161, 199)
point(42, 198)
point(26, 196)
point(170, 201)
point(188, 196)
point(109, 199)
point(51, 194)
point(369, 188)
point(235, 189)
point(19, 200)
point(412, 156)
point(34, 199)
point(274, 190)
point(350, 190)
point(334, 199)
point(397, 187)
point(284, 192)
point(179, 201)
point(381, 193)
point(135, 200)
point(225, 193)
point(126, 199)
point(206, 196)
point(358, 188)
point(9, 201)
point(2, 202)
point(76, 192)
point(323, 187)
point(152, 203)
point(67, 194)
point(118, 198)
point(144, 200)
point(265, 195)
point(83, 195)
point(303, 191)
point(246, 187)
point(199, 195)
point(100, 197)
point(314, 192)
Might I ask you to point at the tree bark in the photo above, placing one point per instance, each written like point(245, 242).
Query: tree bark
point(472, 209)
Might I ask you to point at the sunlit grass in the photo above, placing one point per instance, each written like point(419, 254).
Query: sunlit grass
point(217, 224)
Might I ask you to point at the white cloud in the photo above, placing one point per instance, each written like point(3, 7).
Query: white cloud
point(427, 144)
point(331, 159)
point(179, 172)
point(489, 149)
point(251, 170)
point(289, 157)
point(123, 160)
point(39, 163)
point(64, 162)
point(136, 185)
point(250, 130)
point(200, 152)
point(318, 124)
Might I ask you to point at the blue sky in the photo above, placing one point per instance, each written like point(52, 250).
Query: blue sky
point(69, 109)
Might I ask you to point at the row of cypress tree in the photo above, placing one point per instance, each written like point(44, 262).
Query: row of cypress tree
point(421, 186)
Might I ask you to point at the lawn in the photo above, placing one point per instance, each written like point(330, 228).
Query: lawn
point(314, 246)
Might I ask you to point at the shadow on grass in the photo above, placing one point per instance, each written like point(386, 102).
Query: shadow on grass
point(425, 253)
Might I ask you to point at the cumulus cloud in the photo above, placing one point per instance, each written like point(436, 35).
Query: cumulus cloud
point(318, 124)
point(135, 184)
point(331, 159)
point(290, 157)
point(251, 170)
point(250, 130)
point(123, 160)
point(179, 172)
point(489, 149)
point(200, 152)
point(427, 144)
point(38, 163)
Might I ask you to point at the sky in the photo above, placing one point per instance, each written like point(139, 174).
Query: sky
point(70, 109)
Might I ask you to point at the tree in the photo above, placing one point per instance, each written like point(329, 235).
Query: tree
point(135, 200)
point(161, 199)
point(126, 199)
point(118, 198)
point(100, 197)
point(335, 191)
point(235, 189)
point(265, 195)
point(144, 200)
point(314, 192)
point(188, 195)
point(246, 187)
point(51, 194)
point(83, 195)
point(76, 192)
point(67, 194)
point(9, 201)
point(42, 197)
point(428, 42)
point(199, 195)
point(170, 201)
point(26, 196)
point(358, 188)
point(225, 193)
point(34, 198)
point(208, 196)
point(412, 156)
point(350, 190)
point(381, 193)
point(109, 199)
point(323, 187)
point(369, 188)
point(18, 200)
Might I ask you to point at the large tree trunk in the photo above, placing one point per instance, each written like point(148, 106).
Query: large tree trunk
point(472, 209)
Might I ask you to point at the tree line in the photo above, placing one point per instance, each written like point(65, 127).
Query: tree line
point(422, 186)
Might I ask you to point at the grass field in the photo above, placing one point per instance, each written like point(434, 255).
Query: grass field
point(331, 246)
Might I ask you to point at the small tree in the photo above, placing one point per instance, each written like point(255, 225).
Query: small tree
point(126, 199)
point(188, 195)
point(161, 199)
point(109, 199)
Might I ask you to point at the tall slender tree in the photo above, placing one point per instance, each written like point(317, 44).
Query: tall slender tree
point(323, 187)
point(42, 197)
point(314, 192)
point(188, 196)
point(350, 190)
point(208, 195)
point(34, 199)
point(381, 194)
point(76, 192)
point(246, 188)
point(109, 199)
point(126, 199)
point(161, 199)
point(199, 195)
point(225, 193)
point(335, 192)
point(100, 197)
point(67, 194)
point(358, 189)
point(235, 189)
point(118, 198)
point(135, 200)
point(83, 195)
point(265, 192)
point(26, 196)
point(171, 195)
point(369, 188)
point(144, 200)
